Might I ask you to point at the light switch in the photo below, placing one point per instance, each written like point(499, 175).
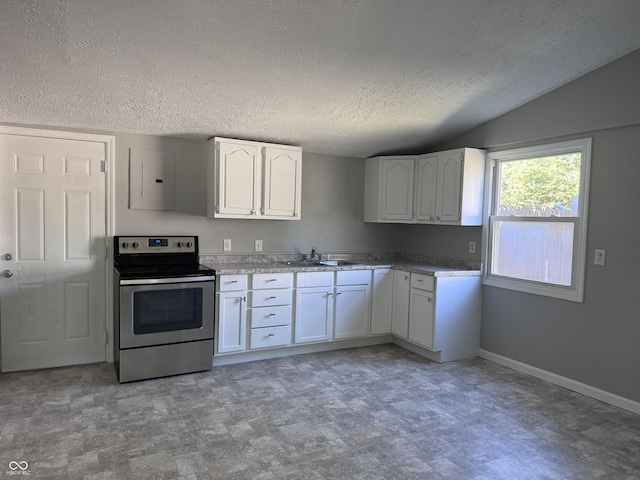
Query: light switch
point(599, 256)
point(227, 245)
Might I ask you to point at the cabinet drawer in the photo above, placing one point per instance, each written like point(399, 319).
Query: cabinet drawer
point(353, 277)
point(314, 279)
point(272, 280)
point(230, 283)
point(270, 316)
point(263, 298)
point(270, 337)
point(422, 282)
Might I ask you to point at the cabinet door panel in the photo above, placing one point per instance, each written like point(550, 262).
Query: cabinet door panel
point(421, 314)
point(314, 315)
point(449, 187)
point(426, 188)
point(232, 322)
point(282, 181)
point(382, 301)
point(239, 168)
point(400, 317)
point(397, 188)
point(352, 315)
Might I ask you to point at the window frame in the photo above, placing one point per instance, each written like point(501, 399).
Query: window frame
point(574, 292)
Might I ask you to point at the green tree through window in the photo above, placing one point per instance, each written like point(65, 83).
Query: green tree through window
point(540, 186)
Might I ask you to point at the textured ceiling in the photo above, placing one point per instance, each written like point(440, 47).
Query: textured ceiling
point(344, 77)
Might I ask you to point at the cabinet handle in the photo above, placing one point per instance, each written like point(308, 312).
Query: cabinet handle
point(232, 281)
point(429, 300)
point(419, 280)
point(271, 315)
point(244, 299)
point(338, 293)
point(271, 335)
point(270, 298)
point(272, 280)
point(406, 277)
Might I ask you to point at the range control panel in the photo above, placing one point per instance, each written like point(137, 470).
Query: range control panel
point(138, 245)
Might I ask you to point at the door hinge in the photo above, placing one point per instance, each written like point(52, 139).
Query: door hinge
point(103, 166)
point(106, 337)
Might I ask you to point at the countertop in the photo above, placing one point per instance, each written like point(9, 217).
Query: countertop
point(234, 268)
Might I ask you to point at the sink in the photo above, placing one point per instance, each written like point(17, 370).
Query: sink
point(302, 263)
point(337, 263)
point(325, 263)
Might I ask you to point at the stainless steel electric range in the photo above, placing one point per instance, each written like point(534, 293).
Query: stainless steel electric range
point(164, 307)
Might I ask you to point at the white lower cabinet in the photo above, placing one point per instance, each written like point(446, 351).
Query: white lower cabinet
point(400, 309)
point(382, 301)
point(439, 314)
point(270, 321)
point(443, 314)
point(314, 314)
point(352, 304)
point(232, 314)
point(421, 311)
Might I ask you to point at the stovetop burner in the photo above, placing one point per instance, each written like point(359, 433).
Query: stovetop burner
point(157, 257)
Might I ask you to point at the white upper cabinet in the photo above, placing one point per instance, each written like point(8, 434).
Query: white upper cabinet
point(282, 181)
point(426, 188)
point(443, 188)
point(389, 189)
point(253, 180)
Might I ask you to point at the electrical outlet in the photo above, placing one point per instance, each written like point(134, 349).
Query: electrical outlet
point(227, 245)
point(258, 246)
point(599, 257)
point(472, 247)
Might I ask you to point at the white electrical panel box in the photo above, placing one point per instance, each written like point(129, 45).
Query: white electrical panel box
point(151, 179)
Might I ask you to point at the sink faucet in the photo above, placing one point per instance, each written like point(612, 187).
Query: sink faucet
point(313, 254)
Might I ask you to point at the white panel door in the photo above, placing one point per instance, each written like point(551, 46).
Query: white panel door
point(397, 188)
point(353, 311)
point(421, 315)
point(449, 188)
point(52, 252)
point(239, 173)
point(282, 182)
point(232, 322)
point(382, 301)
point(426, 188)
point(400, 309)
point(314, 314)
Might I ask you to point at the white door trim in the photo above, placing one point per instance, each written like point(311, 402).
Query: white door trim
point(109, 142)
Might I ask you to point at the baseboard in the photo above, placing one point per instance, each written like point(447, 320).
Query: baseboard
point(269, 353)
point(573, 385)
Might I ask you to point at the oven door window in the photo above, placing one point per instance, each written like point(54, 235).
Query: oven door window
point(167, 310)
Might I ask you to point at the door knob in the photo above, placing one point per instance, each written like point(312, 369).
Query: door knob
point(7, 256)
point(7, 274)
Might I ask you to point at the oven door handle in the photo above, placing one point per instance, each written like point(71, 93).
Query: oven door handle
point(158, 281)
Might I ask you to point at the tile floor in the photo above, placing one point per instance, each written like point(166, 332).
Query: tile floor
point(370, 413)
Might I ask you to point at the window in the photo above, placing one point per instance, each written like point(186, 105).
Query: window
point(536, 225)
